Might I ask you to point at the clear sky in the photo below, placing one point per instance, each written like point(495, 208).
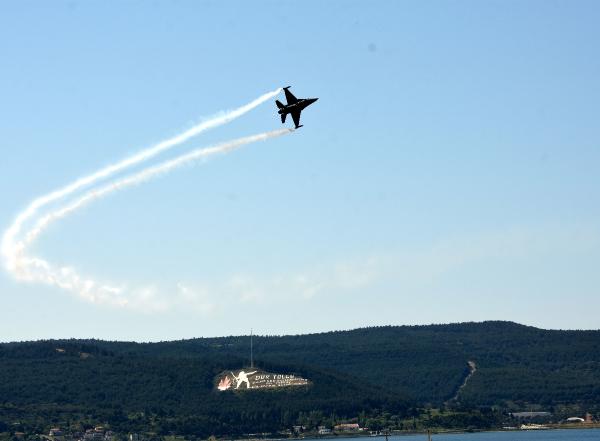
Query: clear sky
point(450, 170)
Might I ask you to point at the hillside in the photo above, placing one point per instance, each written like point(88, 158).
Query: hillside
point(370, 371)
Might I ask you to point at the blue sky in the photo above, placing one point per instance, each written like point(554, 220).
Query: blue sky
point(448, 172)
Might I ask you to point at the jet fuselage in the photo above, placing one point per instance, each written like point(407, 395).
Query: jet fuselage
point(300, 105)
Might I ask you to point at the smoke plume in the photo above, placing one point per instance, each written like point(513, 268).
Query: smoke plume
point(36, 269)
point(8, 241)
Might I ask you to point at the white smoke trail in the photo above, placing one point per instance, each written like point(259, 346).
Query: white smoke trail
point(9, 245)
point(145, 175)
point(37, 269)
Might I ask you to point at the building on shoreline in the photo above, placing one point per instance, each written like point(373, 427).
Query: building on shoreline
point(348, 427)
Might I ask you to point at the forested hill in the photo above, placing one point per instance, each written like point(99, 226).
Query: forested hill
point(371, 369)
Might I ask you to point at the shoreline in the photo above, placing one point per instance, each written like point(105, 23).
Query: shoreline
point(593, 426)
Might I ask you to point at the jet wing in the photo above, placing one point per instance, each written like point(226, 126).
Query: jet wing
point(289, 96)
point(296, 117)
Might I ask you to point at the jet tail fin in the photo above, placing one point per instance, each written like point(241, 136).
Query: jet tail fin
point(279, 104)
point(283, 118)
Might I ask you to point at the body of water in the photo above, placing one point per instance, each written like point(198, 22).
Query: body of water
point(516, 435)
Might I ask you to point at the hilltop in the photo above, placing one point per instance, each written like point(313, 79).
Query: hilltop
point(363, 373)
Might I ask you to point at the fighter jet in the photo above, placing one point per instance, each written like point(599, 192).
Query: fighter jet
point(294, 106)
